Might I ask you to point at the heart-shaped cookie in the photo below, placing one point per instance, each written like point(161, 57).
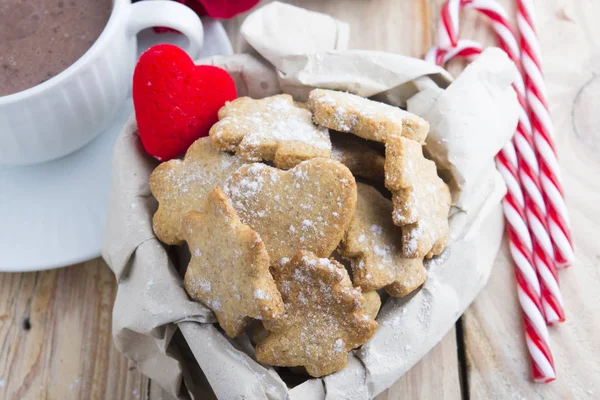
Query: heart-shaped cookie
point(308, 207)
point(175, 101)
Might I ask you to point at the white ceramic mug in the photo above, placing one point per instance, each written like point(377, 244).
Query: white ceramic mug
point(67, 111)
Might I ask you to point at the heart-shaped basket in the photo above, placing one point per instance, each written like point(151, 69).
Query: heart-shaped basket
point(173, 340)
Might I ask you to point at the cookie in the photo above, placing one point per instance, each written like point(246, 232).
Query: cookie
point(324, 317)
point(180, 186)
point(256, 332)
point(270, 129)
point(373, 245)
point(308, 207)
point(338, 257)
point(420, 198)
point(372, 303)
point(362, 159)
point(229, 268)
point(372, 120)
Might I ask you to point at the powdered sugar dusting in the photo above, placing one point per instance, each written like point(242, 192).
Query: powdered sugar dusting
point(306, 225)
point(215, 304)
point(411, 240)
point(261, 295)
point(204, 285)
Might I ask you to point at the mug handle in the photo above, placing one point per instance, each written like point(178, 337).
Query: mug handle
point(174, 15)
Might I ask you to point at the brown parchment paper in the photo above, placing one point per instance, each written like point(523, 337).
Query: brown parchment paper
point(172, 339)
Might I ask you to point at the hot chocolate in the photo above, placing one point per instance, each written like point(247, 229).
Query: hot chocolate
point(41, 38)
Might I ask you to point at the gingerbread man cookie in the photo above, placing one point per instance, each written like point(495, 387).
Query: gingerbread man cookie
point(229, 268)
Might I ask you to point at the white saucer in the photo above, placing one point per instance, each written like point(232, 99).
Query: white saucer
point(53, 214)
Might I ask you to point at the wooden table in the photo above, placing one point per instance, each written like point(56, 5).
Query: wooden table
point(55, 326)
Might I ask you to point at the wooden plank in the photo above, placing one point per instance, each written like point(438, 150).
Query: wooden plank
point(497, 361)
point(496, 354)
point(55, 337)
point(436, 376)
point(157, 393)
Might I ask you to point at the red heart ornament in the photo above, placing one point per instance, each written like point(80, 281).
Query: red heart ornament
point(175, 101)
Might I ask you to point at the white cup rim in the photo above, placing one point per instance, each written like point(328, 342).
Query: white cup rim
point(64, 74)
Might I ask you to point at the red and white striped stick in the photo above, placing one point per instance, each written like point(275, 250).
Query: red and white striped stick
point(507, 161)
point(557, 215)
point(464, 48)
point(528, 286)
point(520, 243)
point(447, 36)
point(529, 171)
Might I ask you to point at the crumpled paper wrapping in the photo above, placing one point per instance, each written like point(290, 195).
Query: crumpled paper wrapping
point(172, 339)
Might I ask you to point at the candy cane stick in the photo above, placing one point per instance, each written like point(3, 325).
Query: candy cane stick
point(520, 243)
point(448, 31)
point(463, 48)
point(529, 170)
point(542, 135)
point(528, 287)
